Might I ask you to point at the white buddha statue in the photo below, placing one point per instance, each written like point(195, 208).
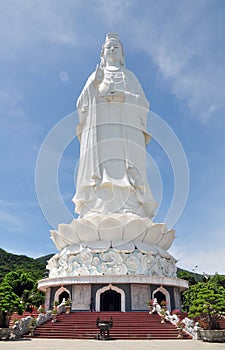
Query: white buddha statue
point(112, 111)
point(114, 233)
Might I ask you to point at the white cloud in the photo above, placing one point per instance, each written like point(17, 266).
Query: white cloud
point(16, 122)
point(186, 51)
point(184, 38)
point(12, 105)
point(202, 244)
point(17, 217)
point(25, 23)
point(9, 222)
point(185, 41)
point(209, 259)
point(113, 9)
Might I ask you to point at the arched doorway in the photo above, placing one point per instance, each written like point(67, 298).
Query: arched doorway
point(110, 300)
point(161, 294)
point(63, 295)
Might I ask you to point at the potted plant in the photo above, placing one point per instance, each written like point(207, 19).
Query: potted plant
point(68, 306)
point(32, 325)
point(180, 326)
point(162, 314)
point(176, 312)
point(54, 313)
point(41, 309)
point(150, 305)
point(163, 304)
point(208, 307)
point(56, 303)
point(15, 320)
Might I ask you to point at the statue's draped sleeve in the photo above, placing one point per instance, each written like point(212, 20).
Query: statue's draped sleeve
point(86, 132)
point(137, 98)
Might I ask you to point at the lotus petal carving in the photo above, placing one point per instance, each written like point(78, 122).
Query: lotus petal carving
point(123, 247)
point(60, 240)
point(99, 246)
point(120, 231)
point(154, 233)
point(68, 232)
point(86, 230)
point(134, 230)
point(166, 240)
point(110, 229)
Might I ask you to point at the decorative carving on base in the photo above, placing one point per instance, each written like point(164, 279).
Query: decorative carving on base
point(72, 261)
point(139, 296)
point(81, 297)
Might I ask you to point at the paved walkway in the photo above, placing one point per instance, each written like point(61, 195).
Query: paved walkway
point(68, 344)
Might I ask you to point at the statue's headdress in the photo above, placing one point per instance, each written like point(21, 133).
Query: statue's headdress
point(109, 37)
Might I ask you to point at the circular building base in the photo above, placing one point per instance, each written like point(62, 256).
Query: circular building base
point(113, 292)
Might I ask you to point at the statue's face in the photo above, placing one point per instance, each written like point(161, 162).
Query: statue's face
point(112, 51)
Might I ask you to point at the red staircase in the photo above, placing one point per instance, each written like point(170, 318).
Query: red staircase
point(127, 325)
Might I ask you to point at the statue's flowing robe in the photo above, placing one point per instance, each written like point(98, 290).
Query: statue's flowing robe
point(112, 168)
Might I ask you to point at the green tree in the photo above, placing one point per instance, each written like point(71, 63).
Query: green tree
point(218, 279)
point(186, 275)
point(9, 302)
point(36, 297)
point(19, 280)
point(207, 301)
point(24, 286)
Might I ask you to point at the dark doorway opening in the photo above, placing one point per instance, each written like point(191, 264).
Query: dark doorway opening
point(62, 296)
point(110, 301)
point(160, 297)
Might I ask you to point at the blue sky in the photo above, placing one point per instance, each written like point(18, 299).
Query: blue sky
point(177, 51)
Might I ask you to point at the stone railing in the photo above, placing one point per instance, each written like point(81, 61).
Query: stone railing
point(23, 326)
point(191, 327)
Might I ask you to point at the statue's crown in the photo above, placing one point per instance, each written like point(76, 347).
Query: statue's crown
point(112, 36)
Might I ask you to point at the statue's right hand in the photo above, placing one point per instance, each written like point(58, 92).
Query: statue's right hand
point(98, 75)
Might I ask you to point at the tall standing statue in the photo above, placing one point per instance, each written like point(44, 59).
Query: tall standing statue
point(114, 233)
point(112, 111)
point(113, 252)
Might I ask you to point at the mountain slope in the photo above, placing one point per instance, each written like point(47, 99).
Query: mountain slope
point(10, 262)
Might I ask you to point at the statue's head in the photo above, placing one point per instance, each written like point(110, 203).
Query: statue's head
point(111, 39)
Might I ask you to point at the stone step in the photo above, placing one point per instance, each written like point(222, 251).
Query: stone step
point(129, 325)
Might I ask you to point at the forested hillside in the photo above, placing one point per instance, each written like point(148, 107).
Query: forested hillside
point(11, 262)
